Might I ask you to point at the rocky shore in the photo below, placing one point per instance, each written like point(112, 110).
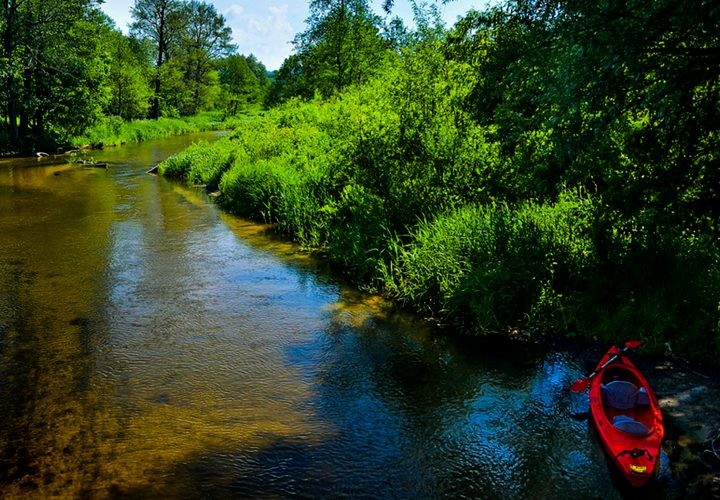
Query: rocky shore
point(690, 402)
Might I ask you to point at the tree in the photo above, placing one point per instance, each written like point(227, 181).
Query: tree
point(241, 85)
point(206, 39)
point(128, 82)
point(163, 22)
point(342, 44)
point(616, 98)
point(290, 81)
point(259, 70)
point(52, 70)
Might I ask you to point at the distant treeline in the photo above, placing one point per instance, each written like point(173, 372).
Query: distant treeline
point(65, 67)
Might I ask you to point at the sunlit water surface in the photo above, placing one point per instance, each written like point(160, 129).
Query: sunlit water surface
point(151, 345)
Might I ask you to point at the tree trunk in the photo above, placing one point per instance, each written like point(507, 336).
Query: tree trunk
point(39, 126)
point(24, 112)
point(12, 113)
point(155, 111)
point(196, 91)
point(339, 62)
point(10, 9)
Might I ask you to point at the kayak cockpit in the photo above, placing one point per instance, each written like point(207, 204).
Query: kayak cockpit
point(626, 403)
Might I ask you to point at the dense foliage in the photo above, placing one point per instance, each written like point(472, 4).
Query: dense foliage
point(114, 131)
point(65, 68)
point(543, 166)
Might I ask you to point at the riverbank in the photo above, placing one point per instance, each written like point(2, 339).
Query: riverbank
point(689, 402)
point(113, 131)
point(340, 178)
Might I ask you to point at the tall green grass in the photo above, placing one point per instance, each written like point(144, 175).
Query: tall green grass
point(114, 130)
point(495, 267)
point(200, 163)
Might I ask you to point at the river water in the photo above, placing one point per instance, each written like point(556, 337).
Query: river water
point(151, 345)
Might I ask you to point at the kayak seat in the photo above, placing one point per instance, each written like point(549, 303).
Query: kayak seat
point(630, 425)
point(623, 395)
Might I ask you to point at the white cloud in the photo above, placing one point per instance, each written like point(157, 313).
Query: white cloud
point(265, 31)
point(234, 10)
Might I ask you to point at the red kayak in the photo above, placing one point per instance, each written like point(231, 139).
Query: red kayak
point(627, 416)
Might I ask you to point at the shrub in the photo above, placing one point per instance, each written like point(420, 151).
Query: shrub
point(359, 233)
point(496, 266)
point(200, 163)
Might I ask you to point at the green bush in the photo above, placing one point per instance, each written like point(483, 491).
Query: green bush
point(112, 130)
point(359, 233)
point(495, 267)
point(657, 285)
point(284, 174)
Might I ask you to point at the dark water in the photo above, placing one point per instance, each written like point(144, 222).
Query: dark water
point(151, 345)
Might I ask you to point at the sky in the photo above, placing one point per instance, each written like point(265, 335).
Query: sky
point(266, 28)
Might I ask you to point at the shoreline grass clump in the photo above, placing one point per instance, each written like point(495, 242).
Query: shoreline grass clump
point(494, 267)
point(201, 163)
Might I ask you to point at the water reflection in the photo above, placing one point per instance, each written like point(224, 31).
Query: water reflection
point(54, 240)
point(151, 345)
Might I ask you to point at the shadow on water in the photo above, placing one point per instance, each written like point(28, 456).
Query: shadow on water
point(409, 413)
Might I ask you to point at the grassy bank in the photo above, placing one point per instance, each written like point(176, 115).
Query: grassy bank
point(115, 131)
point(416, 214)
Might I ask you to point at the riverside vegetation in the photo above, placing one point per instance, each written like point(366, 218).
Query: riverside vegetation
point(114, 131)
point(540, 167)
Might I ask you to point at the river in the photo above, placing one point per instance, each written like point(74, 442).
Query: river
point(152, 345)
